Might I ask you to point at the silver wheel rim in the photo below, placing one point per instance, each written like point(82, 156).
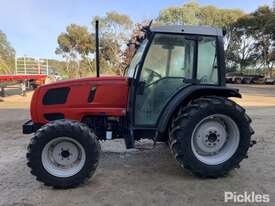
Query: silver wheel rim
point(215, 139)
point(63, 157)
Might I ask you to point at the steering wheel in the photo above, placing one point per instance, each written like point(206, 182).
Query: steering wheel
point(152, 74)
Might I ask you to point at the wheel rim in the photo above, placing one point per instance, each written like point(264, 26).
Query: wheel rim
point(63, 157)
point(215, 139)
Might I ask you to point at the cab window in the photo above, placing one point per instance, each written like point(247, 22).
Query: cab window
point(207, 72)
point(168, 62)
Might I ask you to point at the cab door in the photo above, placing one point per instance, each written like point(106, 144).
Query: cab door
point(168, 63)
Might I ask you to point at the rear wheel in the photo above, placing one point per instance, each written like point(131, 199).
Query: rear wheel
point(210, 136)
point(63, 154)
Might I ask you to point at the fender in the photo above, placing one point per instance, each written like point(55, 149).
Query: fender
point(185, 95)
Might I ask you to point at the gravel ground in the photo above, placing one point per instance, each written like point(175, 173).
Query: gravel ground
point(138, 176)
point(259, 90)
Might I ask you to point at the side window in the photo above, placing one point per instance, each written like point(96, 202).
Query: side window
point(169, 60)
point(136, 59)
point(207, 61)
point(168, 56)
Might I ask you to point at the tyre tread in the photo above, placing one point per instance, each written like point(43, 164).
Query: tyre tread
point(181, 122)
point(57, 128)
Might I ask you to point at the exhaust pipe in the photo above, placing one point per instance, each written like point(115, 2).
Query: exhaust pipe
point(97, 48)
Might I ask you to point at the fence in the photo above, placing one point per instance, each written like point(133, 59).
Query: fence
point(28, 66)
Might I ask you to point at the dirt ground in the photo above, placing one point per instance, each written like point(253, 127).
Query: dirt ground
point(137, 177)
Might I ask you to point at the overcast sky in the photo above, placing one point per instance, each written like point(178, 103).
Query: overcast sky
point(32, 26)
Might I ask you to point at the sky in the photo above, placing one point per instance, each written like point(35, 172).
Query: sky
point(32, 26)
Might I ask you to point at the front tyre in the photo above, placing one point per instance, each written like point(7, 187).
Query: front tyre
point(210, 136)
point(63, 154)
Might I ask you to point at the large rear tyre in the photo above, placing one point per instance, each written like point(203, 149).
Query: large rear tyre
point(63, 154)
point(210, 136)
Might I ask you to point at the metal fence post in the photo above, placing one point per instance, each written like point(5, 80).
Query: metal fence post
point(39, 69)
point(25, 67)
point(47, 66)
point(15, 64)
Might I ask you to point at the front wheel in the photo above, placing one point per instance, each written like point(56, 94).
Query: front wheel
point(63, 154)
point(210, 136)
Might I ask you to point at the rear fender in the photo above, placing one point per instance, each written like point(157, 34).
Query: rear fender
point(185, 95)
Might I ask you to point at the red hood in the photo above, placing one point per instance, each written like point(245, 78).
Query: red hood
point(110, 98)
point(101, 79)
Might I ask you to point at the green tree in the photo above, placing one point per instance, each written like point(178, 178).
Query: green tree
point(213, 16)
point(115, 25)
point(241, 51)
point(260, 27)
point(7, 55)
point(187, 14)
point(115, 30)
point(76, 46)
point(194, 14)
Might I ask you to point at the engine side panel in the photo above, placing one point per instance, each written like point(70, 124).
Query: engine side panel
point(109, 98)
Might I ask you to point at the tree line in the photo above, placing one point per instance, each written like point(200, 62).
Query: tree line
point(249, 41)
point(7, 54)
point(77, 45)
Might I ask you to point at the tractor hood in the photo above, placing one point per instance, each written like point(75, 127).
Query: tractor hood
point(75, 99)
point(96, 80)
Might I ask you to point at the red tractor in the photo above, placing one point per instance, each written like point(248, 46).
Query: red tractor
point(173, 91)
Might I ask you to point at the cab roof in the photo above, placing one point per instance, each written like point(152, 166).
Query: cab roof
point(187, 29)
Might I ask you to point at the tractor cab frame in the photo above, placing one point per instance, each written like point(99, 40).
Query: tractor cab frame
point(186, 62)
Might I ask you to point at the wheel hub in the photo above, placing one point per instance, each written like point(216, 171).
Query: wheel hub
point(215, 139)
point(63, 157)
point(210, 137)
point(65, 153)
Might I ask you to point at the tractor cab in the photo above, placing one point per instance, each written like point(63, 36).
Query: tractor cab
point(168, 60)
